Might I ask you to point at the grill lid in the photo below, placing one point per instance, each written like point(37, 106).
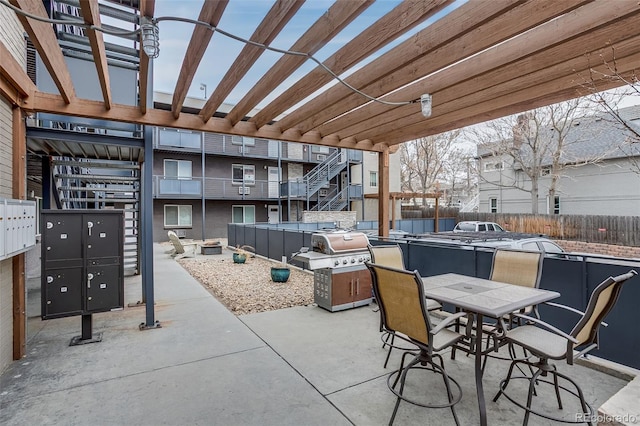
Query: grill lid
point(339, 242)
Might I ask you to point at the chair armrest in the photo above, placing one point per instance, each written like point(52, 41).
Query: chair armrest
point(548, 327)
point(450, 319)
point(570, 309)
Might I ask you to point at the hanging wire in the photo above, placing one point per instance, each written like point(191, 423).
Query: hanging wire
point(213, 28)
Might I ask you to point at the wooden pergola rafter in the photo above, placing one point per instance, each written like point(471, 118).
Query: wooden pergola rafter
point(481, 60)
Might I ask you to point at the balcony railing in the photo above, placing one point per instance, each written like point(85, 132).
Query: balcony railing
point(213, 188)
point(218, 144)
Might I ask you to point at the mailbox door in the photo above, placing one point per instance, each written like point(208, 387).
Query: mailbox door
point(103, 235)
point(62, 294)
point(104, 290)
point(61, 237)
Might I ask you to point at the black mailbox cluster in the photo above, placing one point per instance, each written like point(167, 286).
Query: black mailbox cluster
point(82, 262)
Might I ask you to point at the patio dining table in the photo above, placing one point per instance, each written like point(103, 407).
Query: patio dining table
point(482, 298)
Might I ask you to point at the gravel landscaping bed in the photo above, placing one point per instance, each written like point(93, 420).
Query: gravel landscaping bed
point(247, 288)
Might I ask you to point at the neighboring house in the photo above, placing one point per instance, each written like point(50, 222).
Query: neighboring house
point(235, 179)
point(600, 174)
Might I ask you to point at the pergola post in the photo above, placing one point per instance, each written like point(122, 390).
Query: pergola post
point(383, 193)
point(19, 178)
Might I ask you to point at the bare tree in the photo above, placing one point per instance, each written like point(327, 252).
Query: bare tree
point(429, 161)
point(630, 88)
point(534, 144)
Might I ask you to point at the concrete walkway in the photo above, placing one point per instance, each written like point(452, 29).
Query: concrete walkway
point(205, 366)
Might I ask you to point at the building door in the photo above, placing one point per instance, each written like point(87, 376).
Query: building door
point(274, 182)
point(274, 214)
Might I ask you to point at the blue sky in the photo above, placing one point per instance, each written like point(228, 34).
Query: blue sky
point(241, 17)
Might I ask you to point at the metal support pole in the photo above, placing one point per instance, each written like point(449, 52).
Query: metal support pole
point(146, 220)
point(203, 178)
point(87, 335)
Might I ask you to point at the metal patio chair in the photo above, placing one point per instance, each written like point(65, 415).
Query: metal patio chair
point(391, 255)
point(521, 268)
point(546, 342)
point(400, 295)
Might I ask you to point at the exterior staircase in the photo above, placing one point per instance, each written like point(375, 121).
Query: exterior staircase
point(82, 183)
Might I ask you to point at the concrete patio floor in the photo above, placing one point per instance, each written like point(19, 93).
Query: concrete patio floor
point(205, 366)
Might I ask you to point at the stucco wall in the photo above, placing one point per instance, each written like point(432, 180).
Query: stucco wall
point(11, 37)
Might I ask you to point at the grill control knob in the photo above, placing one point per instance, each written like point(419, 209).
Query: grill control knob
point(360, 259)
point(353, 260)
point(344, 261)
point(336, 263)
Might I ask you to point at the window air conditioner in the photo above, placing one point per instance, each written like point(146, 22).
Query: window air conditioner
point(321, 157)
point(181, 233)
point(244, 190)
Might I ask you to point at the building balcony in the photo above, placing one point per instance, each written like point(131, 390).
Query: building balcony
point(213, 188)
point(229, 145)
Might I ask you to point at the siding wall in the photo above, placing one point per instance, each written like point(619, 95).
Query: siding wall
point(608, 188)
point(11, 37)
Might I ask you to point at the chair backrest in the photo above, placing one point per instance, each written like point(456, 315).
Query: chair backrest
point(521, 268)
point(177, 244)
point(601, 302)
point(387, 255)
point(400, 296)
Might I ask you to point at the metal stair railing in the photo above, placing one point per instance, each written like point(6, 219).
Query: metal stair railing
point(336, 203)
point(471, 205)
point(324, 172)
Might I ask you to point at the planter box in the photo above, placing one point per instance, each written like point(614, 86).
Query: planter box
point(211, 249)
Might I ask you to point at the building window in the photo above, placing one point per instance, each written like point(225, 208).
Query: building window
point(556, 205)
point(180, 169)
point(319, 149)
point(244, 214)
point(243, 174)
point(243, 140)
point(373, 179)
point(493, 205)
point(491, 166)
point(177, 216)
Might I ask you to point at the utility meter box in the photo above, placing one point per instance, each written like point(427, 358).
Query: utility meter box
point(82, 262)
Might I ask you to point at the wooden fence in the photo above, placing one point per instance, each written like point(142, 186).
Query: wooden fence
point(618, 230)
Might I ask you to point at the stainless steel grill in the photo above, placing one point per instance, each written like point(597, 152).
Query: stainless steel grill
point(341, 279)
point(335, 249)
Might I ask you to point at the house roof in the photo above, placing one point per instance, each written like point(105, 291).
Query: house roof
point(479, 59)
point(592, 138)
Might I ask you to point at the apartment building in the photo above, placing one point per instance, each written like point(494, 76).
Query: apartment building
point(203, 181)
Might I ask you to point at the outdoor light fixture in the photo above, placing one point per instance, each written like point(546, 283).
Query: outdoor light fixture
point(150, 37)
point(425, 101)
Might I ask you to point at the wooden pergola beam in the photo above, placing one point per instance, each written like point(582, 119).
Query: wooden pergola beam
point(494, 86)
point(339, 15)
point(51, 103)
point(147, 9)
point(278, 16)
point(523, 100)
point(546, 45)
point(91, 16)
point(401, 19)
point(44, 39)
point(465, 31)
point(15, 76)
point(210, 13)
